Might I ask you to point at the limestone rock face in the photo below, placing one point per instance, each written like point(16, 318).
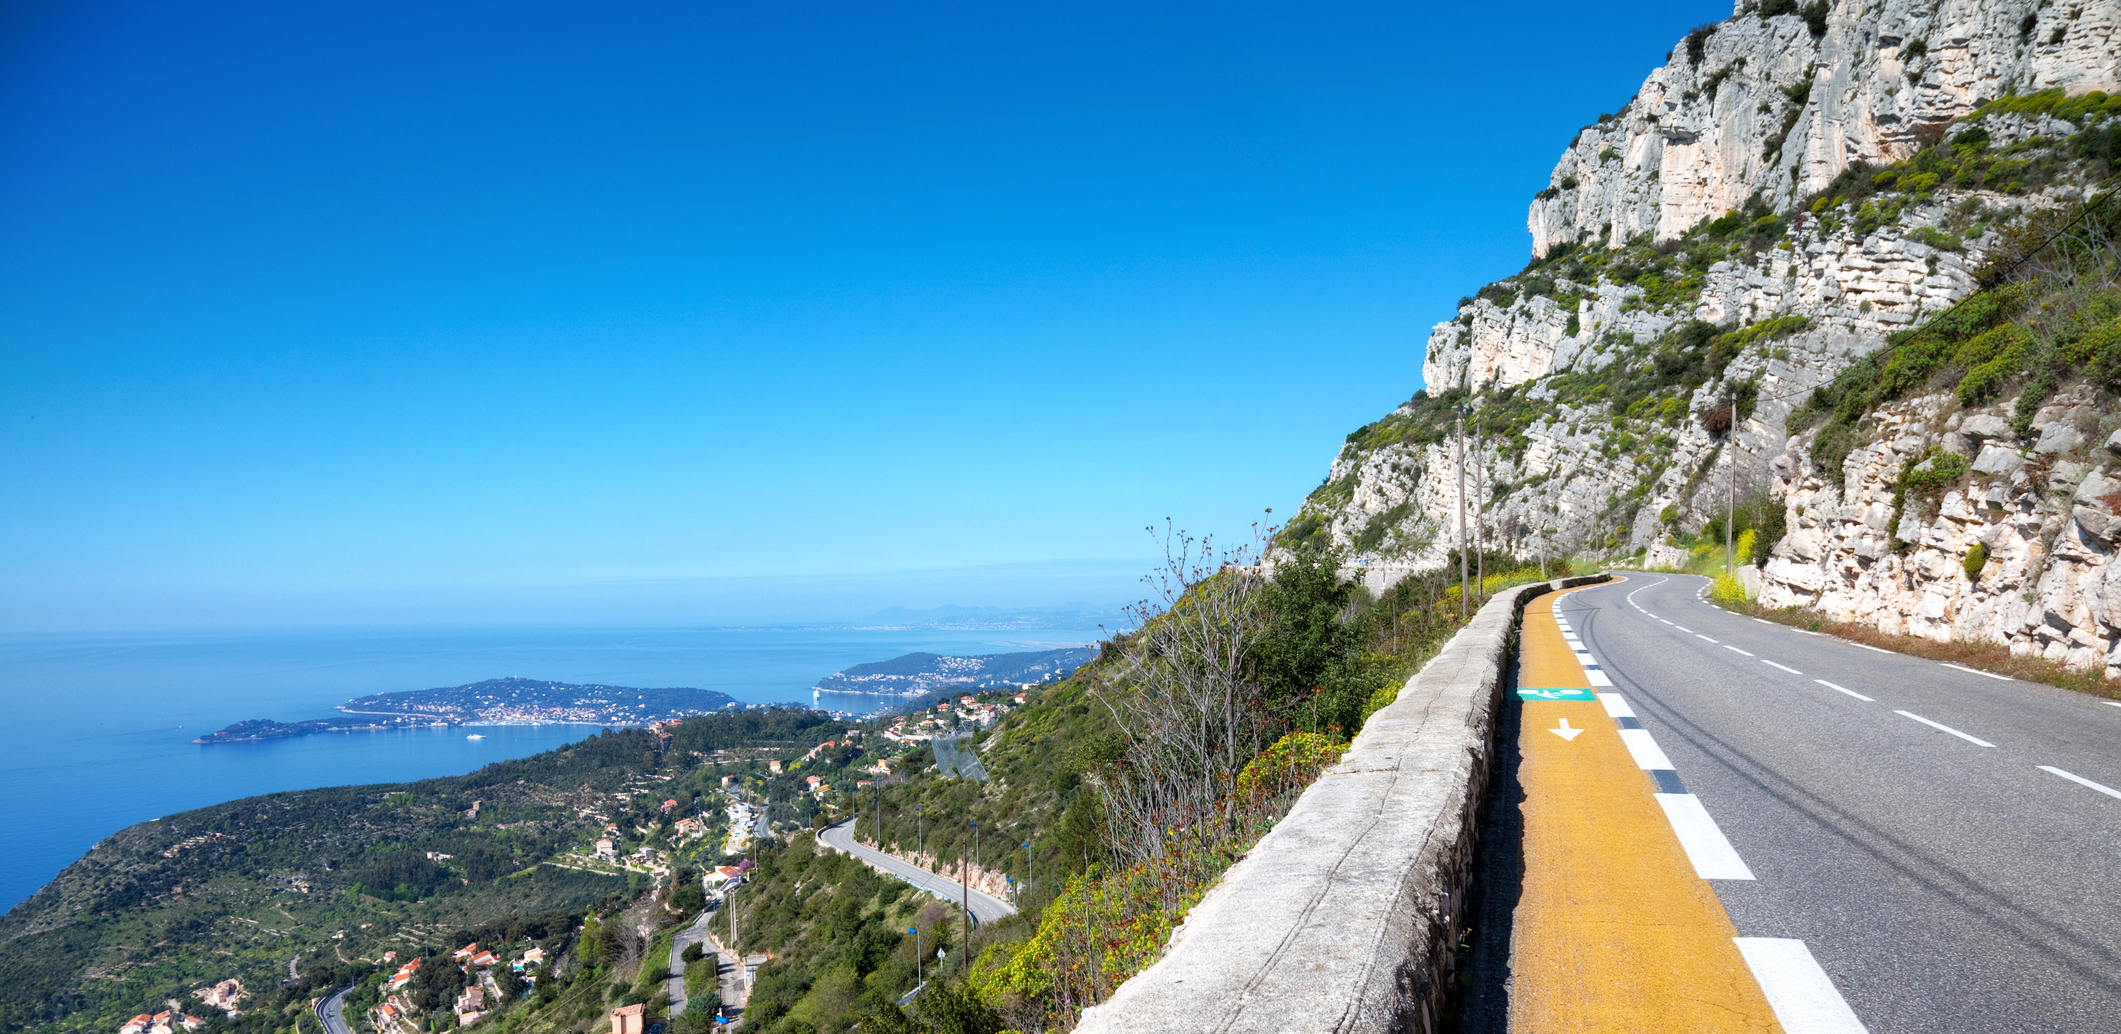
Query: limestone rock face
point(1764, 104)
point(2049, 586)
point(1770, 107)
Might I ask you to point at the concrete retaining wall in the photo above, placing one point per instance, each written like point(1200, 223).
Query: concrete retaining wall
point(1342, 918)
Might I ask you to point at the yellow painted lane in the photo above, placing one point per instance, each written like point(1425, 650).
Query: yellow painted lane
point(1614, 931)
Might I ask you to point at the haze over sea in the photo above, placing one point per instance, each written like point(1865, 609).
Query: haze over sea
point(102, 725)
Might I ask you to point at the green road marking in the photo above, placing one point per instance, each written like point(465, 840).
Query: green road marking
point(1557, 694)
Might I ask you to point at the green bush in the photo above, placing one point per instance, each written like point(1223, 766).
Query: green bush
point(1697, 43)
point(1976, 559)
point(1939, 471)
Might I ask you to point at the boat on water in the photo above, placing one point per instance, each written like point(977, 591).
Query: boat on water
point(476, 736)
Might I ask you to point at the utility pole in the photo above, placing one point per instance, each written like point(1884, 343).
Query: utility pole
point(920, 833)
point(919, 975)
point(1027, 867)
point(1730, 517)
point(1460, 459)
point(1480, 509)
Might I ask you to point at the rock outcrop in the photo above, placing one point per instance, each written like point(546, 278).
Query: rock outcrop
point(1782, 104)
point(2041, 524)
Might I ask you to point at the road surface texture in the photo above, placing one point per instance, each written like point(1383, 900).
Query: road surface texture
point(331, 1012)
point(985, 908)
point(1891, 844)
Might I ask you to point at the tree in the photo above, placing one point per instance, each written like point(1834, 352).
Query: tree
point(1184, 699)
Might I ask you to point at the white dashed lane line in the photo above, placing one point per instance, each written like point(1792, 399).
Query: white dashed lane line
point(1985, 674)
point(1734, 649)
point(1850, 692)
point(1784, 667)
point(2080, 780)
point(1698, 635)
point(1941, 727)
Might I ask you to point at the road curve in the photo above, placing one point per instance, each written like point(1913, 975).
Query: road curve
point(985, 908)
point(694, 934)
point(331, 1012)
point(1940, 840)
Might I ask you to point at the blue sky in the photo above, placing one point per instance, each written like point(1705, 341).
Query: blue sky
point(385, 313)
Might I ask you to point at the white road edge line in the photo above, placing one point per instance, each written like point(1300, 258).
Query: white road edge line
point(1850, 692)
point(2111, 703)
point(1734, 649)
point(1976, 671)
point(1803, 996)
point(1647, 754)
point(1784, 667)
point(1944, 728)
point(2101, 787)
point(1711, 852)
point(1872, 649)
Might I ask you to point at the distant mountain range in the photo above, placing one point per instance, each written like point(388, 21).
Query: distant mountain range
point(917, 673)
point(507, 701)
point(1062, 615)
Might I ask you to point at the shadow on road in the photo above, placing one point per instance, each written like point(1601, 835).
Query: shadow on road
point(1480, 998)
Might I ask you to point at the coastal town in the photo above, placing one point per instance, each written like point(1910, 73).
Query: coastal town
point(694, 818)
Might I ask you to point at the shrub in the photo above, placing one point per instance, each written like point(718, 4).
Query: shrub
point(1976, 559)
point(1697, 43)
point(1814, 15)
point(1774, 525)
point(1727, 590)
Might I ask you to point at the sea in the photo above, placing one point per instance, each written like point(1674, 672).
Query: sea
point(101, 726)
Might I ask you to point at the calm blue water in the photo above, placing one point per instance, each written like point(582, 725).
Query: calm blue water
point(101, 726)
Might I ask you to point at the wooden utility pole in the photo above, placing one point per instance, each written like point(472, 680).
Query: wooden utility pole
point(1461, 462)
point(1480, 514)
point(1730, 516)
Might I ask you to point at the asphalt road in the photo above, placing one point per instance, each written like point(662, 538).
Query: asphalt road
point(331, 1012)
point(694, 934)
point(985, 908)
point(1946, 843)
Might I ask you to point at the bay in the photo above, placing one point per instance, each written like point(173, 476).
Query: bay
point(101, 725)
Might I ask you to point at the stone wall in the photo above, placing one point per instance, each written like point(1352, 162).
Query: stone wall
point(1343, 917)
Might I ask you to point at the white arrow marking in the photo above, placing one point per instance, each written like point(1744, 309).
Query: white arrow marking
point(1565, 732)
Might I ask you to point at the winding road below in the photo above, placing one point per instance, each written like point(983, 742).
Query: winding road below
point(985, 907)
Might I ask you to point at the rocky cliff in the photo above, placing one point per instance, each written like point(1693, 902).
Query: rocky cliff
point(1796, 189)
point(1781, 98)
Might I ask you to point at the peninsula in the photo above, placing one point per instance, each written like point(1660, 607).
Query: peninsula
point(911, 675)
point(505, 701)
